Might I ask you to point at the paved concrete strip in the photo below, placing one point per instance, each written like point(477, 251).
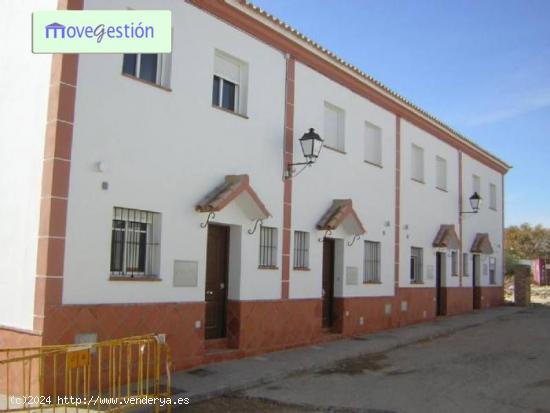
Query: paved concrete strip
point(221, 378)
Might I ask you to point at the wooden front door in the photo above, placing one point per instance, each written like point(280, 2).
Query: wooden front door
point(475, 281)
point(217, 258)
point(439, 274)
point(328, 282)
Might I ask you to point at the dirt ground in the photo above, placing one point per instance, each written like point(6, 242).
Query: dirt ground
point(501, 366)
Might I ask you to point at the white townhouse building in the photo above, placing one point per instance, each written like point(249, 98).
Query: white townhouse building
point(150, 193)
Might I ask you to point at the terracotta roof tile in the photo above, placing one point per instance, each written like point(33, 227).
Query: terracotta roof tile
point(446, 238)
point(339, 211)
point(232, 187)
point(482, 244)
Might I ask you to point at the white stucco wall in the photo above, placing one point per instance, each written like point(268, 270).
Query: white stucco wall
point(343, 176)
point(24, 87)
point(163, 151)
point(486, 221)
point(424, 207)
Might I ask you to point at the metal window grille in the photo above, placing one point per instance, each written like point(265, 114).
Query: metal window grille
point(416, 264)
point(372, 262)
point(134, 246)
point(301, 249)
point(465, 272)
point(268, 247)
point(454, 263)
point(492, 270)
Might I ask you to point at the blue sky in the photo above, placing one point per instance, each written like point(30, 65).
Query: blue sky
point(483, 67)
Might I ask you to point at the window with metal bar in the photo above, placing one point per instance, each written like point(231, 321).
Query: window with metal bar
point(301, 250)
point(416, 265)
point(465, 266)
point(268, 247)
point(493, 197)
point(454, 263)
point(371, 270)
point(492, 270)
point(135, 243)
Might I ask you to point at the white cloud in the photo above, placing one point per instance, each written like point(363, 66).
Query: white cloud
point(528, 102)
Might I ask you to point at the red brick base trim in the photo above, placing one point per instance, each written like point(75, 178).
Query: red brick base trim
point(492, 296)
point(270, 325)
point(11, 337)
point(458, 300)
point(108, 321)
point(253, 327)
point(420, 305)
point(362, 315)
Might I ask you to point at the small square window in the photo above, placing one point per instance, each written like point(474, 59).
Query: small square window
point(454, 263)
point(416, 265)
point(492, 270)
point(229, 84)
point(301, 250)
point(417, 163)
point(493, 197)
point(465, 265)
point(441, 173)
point(371, 271)
point(334, 127)
point(268, 247)
point(373, 144)
point(476, 184)
point(135, 245)
point(153, 68)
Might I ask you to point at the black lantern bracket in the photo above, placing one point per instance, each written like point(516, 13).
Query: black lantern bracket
point(291, 171)
point(209, 218)
point(356, 237)
point(251, 231)
point(328, 233)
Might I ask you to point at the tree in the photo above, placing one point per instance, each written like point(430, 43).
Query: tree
point(527, 242)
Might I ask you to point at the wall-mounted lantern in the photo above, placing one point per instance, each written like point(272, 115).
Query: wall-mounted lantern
point(311, 144)
point(475, 203)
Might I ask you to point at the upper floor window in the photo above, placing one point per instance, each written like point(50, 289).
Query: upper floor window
point(135, 243)
point(373, 144)
point(371, 272)
point(476, 184)
point(334, 127)
point(153, 68)
point(229, 88)
point(441, 173)
point(417, 163)
point(301, 250)
point(268, 247)
point(493, 196)
point(417, 257)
